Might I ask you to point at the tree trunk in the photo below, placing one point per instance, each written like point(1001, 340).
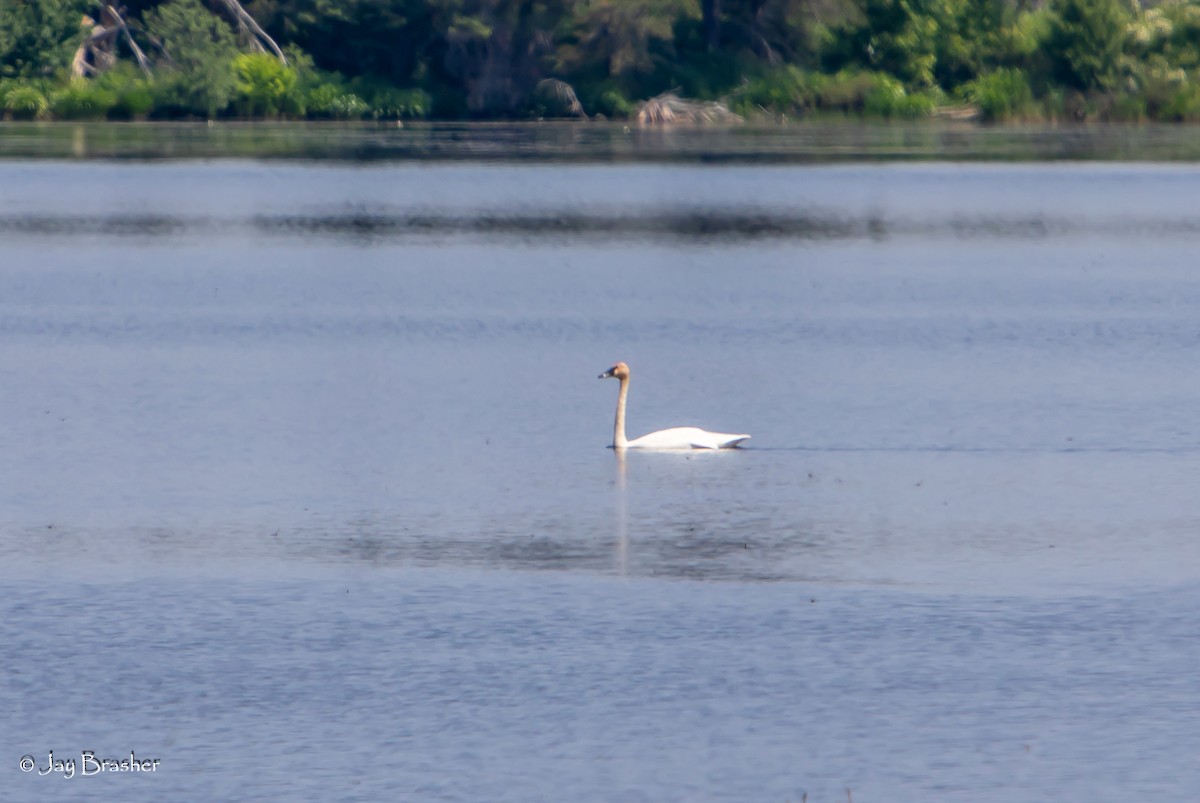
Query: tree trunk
point(711, 11)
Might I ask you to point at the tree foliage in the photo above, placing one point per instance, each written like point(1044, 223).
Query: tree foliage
point(37, 37)
point(969, 40)
point(1085, 42)
point(620, 37)
point(351, 59)
point(198, 49)
point(892, 36)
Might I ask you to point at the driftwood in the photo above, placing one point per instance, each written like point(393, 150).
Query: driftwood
point(560, 96)
point(670, 109)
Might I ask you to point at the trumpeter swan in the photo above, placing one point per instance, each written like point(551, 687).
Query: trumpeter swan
point(674, 438)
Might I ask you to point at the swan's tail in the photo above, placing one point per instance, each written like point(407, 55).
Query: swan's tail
point(721, 441)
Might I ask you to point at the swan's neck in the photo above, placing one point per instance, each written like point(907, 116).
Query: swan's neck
point(619, 441)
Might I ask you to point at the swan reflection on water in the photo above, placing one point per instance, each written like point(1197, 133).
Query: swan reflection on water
point(621, 513)
point(674, 438)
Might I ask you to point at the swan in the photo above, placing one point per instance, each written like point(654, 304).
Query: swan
point(674, 438)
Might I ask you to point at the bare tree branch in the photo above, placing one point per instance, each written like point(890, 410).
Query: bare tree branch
point(137, 51)
point(244, 20)
point(98, 47)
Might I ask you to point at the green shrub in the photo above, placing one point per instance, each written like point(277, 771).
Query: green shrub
point(1183, 106)
point(265, 86)
point(133, 102)
point(82, 100)
point(383, 101)
point(391, 103)
point(871, 94)
point(918, 104)
point(1128, 107)
point(175, 96)
point(1000, 95)
point(614, 103)
point(888, 99)
point(1054, 104)
point(334, 102)
point(786, 90)
point(131, 91)
point(846, 91)
point(198, 80)
point(885, 98)
point(23, 102)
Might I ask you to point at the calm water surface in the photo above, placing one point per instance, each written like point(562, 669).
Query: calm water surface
point(306, 494)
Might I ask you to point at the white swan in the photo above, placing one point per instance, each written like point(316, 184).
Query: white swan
point(674, 438)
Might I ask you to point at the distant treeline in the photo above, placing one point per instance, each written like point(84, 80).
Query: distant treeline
point(522, 59)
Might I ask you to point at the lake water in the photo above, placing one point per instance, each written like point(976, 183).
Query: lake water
point(305, 487)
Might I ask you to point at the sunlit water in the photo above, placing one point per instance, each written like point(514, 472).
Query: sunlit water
point(306, 494)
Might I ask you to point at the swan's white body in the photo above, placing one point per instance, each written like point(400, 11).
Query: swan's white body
point(685, 438)
point(674, 438)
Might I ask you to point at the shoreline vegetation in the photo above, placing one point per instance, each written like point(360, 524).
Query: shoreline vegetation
point(640, 62)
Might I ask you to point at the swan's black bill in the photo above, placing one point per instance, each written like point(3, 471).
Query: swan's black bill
point(607, 374)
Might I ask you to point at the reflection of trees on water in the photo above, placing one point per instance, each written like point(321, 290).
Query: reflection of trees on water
point(690, 225)
point(599, 143)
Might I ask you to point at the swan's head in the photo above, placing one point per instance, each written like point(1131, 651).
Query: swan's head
point(618, 371)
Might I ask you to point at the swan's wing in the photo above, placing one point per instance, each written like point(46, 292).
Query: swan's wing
point(718, 440)
point(686, 438)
